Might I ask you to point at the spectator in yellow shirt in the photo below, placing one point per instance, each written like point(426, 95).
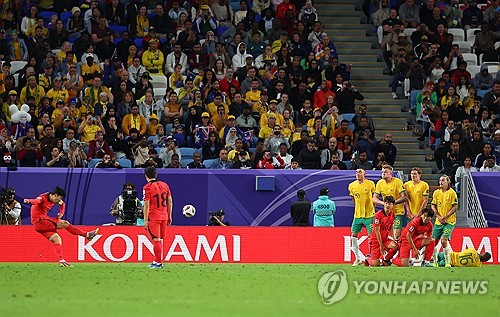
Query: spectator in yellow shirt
point(90, 70)
point(58, 92)
point(89, 127)
point(134, 120)
point(32, 89)
point(153, 58)
point(94, 91)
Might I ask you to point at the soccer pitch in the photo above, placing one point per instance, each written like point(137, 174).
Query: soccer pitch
point(33, 289)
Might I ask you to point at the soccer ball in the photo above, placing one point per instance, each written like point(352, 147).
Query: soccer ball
point(188, 211)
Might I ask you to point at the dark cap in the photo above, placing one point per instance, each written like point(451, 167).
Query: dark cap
point(301, 193)
point(491, 157)
point(243, 153)
point(324, 191)
point(220, 212)
point(133, 130)
point(311, 140)
point(7, 64)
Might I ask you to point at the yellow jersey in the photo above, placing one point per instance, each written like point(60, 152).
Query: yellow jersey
point(415, 194)
point(212, 109)
point(362, 194)
point(252, 95)
point(444, 201)
point(58, 94)
point(468, 257)
point(279, 118)
point(394, 188)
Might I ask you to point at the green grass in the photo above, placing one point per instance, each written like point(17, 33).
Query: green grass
point(227, 290)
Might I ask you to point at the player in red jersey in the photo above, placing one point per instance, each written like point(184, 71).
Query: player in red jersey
point(47, 226)
point(381, 247)
point(416, 235)
point(157, 212)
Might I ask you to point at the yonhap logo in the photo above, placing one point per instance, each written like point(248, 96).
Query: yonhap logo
point(333, 287)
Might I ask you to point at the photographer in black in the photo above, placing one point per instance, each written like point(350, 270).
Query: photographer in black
point(127, 208)
point(10, 208)
point(217, 219)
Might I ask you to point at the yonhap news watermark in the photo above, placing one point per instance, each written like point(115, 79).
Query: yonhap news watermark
point(335, 286)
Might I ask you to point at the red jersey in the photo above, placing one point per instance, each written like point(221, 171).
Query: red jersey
point(157, 193)
point(384, 222)
point(416, 228)
point(41, 205)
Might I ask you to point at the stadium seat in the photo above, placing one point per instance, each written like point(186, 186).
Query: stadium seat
point(458, 34)
point(168, 127)
point(348, 164)
point(465, 47)
point(186, 161)
point(159, 81)
point(348, 116)
point(470, 58)
point(119, 29)
point(56, 51)
point(473, 70)
point(235, 6)
point(409, 31)
point(208, 163)
point(93, 162)
point(138, 43)
point(159, 93)
point(126, 163)
point(16, 66)
point(65, 16)
point(187, 152)
point(471, 34)
point(492, 67)
point(16, 79)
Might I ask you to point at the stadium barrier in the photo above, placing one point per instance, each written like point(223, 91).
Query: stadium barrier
point(470, 199)
point(214, 245)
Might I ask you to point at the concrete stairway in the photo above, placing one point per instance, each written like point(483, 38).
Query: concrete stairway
point(355, 46)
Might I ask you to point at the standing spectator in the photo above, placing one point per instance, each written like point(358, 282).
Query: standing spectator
point(485, 43)
point(472, 16)
point(347, 96)
point(299, 210)
point(385, 145)
point(324, 209)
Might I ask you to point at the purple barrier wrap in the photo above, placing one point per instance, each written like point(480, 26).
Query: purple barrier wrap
point(90, 192)
point(489, 196)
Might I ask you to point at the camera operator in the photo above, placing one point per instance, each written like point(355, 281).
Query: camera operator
point(10, 208)
point(217, 219)
point(116, 209)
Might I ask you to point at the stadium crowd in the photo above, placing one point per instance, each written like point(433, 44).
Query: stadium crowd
point(182, 84)
point(447, 55)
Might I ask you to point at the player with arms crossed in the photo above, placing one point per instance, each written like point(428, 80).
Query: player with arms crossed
point(415, 236)
point(47, 226)
point(468, 257)
point(391, 186)
point(361, 192)
point(417, 194)
point(379, 240)
point(444, 205)
point(157, 212)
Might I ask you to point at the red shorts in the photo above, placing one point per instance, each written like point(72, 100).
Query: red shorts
point(157, 228)
point(46, 227)
point(405, 247)
point(375, 249)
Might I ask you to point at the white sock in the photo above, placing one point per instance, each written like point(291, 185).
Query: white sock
point(355, 247)
point(447, 252)
point(435, 253)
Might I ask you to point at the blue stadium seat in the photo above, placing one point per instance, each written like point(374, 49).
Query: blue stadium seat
point(348, 164)
point(351, 126)
point(208, 163)
point(65, 16)
point(348, 116)
point(125, 163)
point(118, 29)
point(168, 127)
point(235, 6)
point(187, 152)
point(93, 163)
point(138, 43)
point(186, 161)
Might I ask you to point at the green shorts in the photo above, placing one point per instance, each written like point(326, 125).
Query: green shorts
point(442, 231)
point(398, 221)
point(358, 223)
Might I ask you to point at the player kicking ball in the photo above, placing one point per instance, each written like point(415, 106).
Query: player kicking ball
point(468, 257)
point(415, 237)
point(382, 249)
point(47, 226)
point(157, 212)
